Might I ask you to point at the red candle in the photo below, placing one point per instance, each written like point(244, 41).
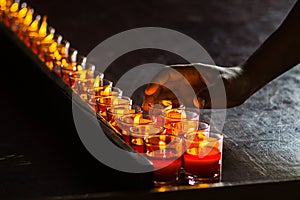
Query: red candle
point(203, 156)
point(166, 170)
point(208, 166)
point(165, 153)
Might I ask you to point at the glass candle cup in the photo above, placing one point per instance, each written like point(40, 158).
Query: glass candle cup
point(178, 121)
point(138, 134)
point(203, 157)
point(101, 103)
point(106, 89)
point(132, 119)
point(115, 111)
point(165, 153)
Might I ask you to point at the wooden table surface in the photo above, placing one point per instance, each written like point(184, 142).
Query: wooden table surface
point(43, 157)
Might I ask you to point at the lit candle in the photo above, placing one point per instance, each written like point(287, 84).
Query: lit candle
point(165, 153)
point(203, 156)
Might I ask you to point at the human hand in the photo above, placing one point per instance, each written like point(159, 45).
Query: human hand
point(199, 85)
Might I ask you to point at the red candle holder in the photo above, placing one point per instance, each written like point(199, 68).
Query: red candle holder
point(203, 157)
point(165, 153)
point(178, 121)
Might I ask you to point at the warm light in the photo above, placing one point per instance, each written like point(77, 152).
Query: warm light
point(43, 28)
point(14, 7)
point(166, 102)
point(174, 114)
point(97, 81)
point(64, 62)
point(161, 144)
point(28, 18)
point(106, 91)
point(57, 55)
point(115, 101)
point(22, 12)
point(2, 4)
point(136, 119)
point(53, 47)
point(79, 68)
point(82, 73)
point(34, 25)
point(48, 38)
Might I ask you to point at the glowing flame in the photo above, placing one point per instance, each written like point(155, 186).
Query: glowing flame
point(22, 12)
point(48, 38)
point(167, 104)
point(53, 48)
point(64, 62)
point(34, 25)
point(136, 119)
point(161, 144)
point(106, 91)
point(43, 28)
point(79, 68)
point(2, 4)
point(115, 101)
point(28, 18)
point(97, 81)
point(14, 7)
point(82, 73)
point(57, 55)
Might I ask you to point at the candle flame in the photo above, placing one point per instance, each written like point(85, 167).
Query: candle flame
point(115, 101)
point(97, 81)
point(28, 17)
point(57, 56)
point(106, 91)
point(14, 7)
point(34, 25)
point(161, 144)
point(82, 73)
point(64, 62)
point(79, 68)
point(48, 38)
point(166, 103)
point(53, 48)
point(43, 27)
point(22, 12)
point(136, 119)
point(2, 4)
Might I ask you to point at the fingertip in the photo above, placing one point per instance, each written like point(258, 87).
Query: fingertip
point(151, 89)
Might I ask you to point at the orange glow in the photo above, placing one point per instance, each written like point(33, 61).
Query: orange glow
point(22, 12)
point(162, 144)
point(64, 62)
point(34, 25)
point(167, 104)
point(53, 47)
point(49, 38)
point(79, 67)
point(136, 119)
point(14, 7)
point(106, 91)
point(57, 55)
point(97, 81)
point(28, 18)
point(2, 4)
point(43, 28)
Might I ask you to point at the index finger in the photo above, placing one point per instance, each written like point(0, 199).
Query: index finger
point(159, 80)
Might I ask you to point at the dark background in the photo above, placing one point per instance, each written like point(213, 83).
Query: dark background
point(40, 153)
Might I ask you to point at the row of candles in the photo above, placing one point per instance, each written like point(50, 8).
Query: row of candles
point(173, 139)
